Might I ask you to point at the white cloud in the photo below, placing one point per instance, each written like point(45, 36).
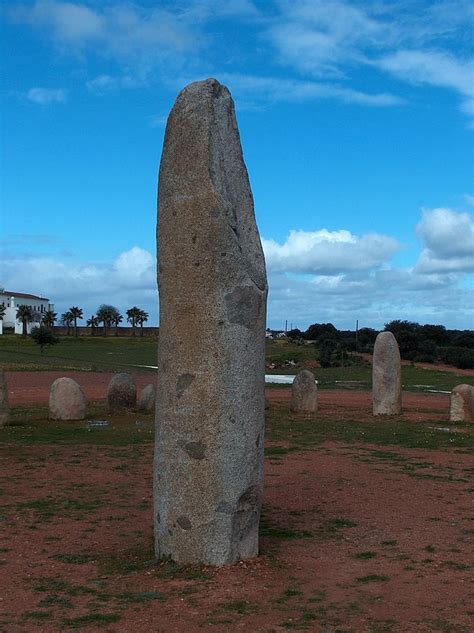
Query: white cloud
point(448, 238)
point(124, 32)
point(328, 252)
point(327, 38)
point(252, 91)
point(45, 96)
point(129, 279)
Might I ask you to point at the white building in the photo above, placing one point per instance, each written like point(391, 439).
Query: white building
point(13, 300)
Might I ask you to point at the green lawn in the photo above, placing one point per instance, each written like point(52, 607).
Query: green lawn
point(127, 354)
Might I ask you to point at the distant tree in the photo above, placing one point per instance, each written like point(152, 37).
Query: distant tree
point(366, 338)
point(436, 333)
point(67, 319)
point(49, 318)
point(295, 334)
point(326, 350)
point(142, 318)
point(133, 314)
point(25, 315)
point(116, 320)
point(93, 323)
point(43, 337)
point(408, 335)
point(427, 351)
point(106, 315)
point(318, 330)
point(76, 314)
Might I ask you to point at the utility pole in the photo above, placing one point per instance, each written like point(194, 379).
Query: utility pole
point(357, 334)
point(286, 326)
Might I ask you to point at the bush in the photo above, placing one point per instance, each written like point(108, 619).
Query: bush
point(43, 337)
point(458, 356)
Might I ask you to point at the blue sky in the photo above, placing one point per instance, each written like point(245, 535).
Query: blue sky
point(357, 125)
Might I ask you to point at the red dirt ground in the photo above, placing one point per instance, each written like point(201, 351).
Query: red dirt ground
point(379, 539)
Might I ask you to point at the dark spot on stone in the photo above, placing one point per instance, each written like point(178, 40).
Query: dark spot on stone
point(170, 532)
point(215, 213)
point(196, 450)
point(158, 518)
point(223, 254)
point(244, 306)
point(197, 264)
point(220, 322)
point(257, 441)
point(183, 383)
point(245, 521)
point(174, 213)
point(225, 507)
point(232, 419)
point(193, 239)
point(184, 523)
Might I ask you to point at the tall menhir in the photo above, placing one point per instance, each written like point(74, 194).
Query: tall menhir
point(208, 476)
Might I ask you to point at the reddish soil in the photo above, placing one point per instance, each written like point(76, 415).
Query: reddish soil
point(359, 538)
point(32, 387)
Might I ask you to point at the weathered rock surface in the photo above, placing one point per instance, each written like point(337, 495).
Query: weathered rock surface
point(122, 393)
point(304, 393)
point(461, 406)
point(211, 375)
point(66, 400)
point(146, 400)
point(4, 406)
point(386, 376)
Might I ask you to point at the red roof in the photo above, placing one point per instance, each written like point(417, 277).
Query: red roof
point(22, 295)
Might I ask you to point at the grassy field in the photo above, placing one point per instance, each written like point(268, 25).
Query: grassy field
point(128, 354)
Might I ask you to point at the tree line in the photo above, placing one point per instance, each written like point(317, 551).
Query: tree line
point(107, 316)
point(423, 343)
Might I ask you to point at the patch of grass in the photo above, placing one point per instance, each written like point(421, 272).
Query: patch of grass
point(430, 548)
point(55, 601)
point(37, 615)
point(365, 555)
point(452, 564)
point(274, 530)
point(242, 607)
point(389, 543)
point(91, 618)
point(372, 578)
point(74, 559)
point(141, 596)
point(287, 594)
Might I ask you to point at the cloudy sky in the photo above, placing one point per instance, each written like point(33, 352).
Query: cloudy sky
point(357, 125)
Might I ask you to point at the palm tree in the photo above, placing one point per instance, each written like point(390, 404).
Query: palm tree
point(116, 320)
point(76, 314)
point(49, 317)
point(93, 322)
point(25, 315)
point(132, 317)
point(67, 319)
point(142, 317)
point(106, 314)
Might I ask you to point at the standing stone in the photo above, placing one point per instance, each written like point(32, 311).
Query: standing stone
point(461, 406)
point(66, 400)
point(304, 393)
point(386, 376)
point(122, 393)
point(146, 401)
point(4, 406)
point(211, 374)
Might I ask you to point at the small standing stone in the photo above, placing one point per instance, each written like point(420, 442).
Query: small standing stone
point(386, 376)
point(66, 400)
point(146, 401)
point(461, 406)
point(4, 406)
point(122, 393)
point(304, 393)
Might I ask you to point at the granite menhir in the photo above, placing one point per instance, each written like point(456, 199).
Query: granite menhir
point(208, 474)
point(386, 376)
